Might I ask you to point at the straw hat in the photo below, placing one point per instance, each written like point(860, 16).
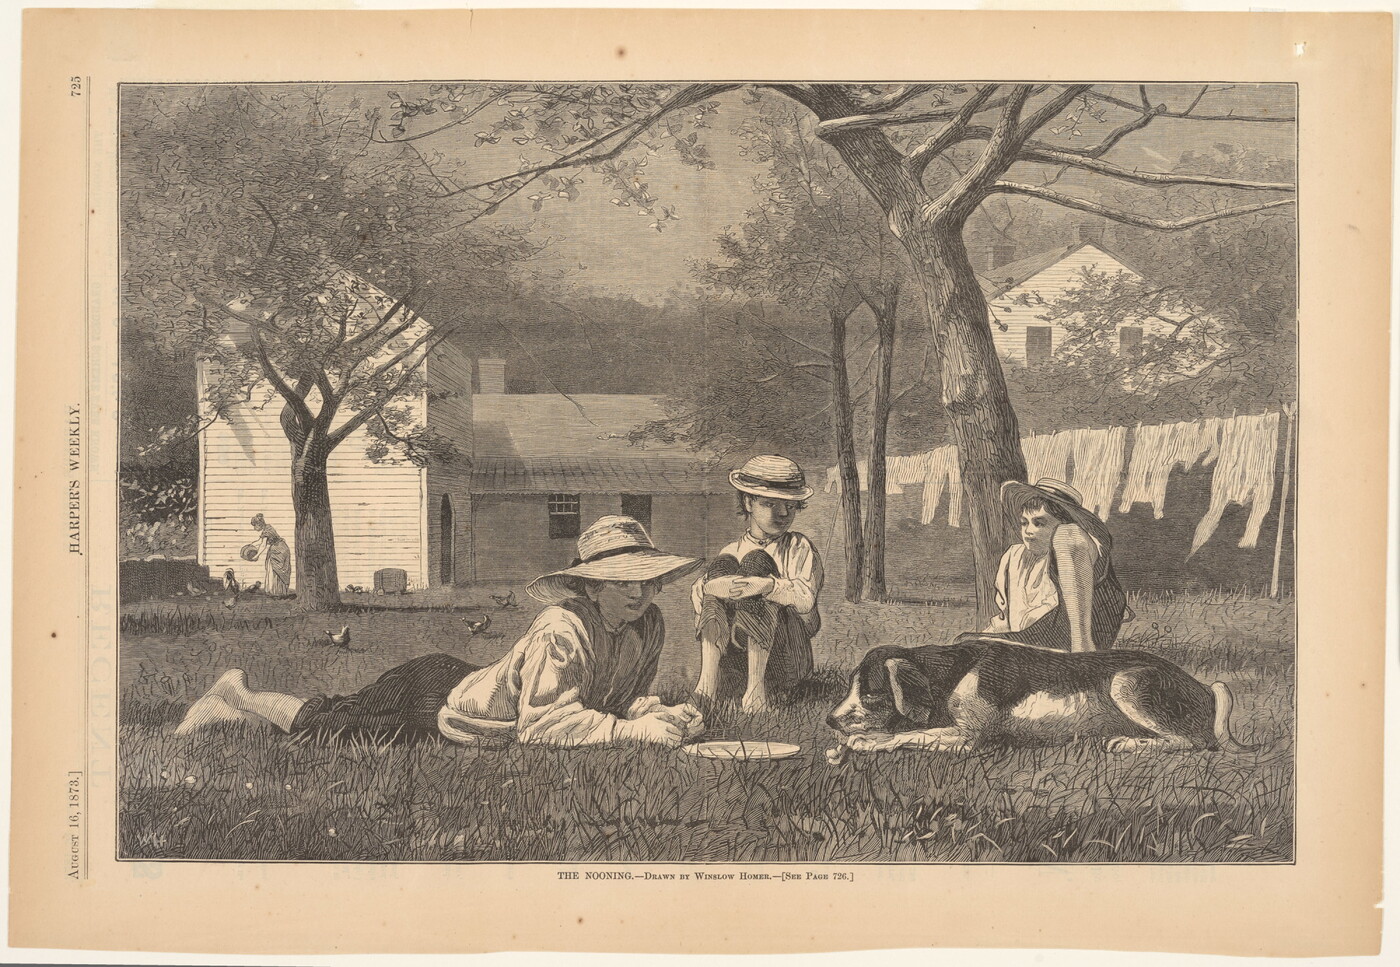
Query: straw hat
point(1014, 495)
point(771, 476)
point(613, 548)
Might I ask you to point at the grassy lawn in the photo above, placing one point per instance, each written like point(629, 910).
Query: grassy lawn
point(235, 793)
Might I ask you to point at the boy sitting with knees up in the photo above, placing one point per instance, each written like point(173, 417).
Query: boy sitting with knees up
point(756, 603)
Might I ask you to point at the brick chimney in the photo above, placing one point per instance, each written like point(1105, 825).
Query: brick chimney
point(999, 254)
point(491, 376)
point(1090, 233)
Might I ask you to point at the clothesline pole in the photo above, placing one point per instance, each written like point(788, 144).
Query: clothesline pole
point(1288, 412)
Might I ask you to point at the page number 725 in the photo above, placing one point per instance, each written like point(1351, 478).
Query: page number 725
point(75, 87)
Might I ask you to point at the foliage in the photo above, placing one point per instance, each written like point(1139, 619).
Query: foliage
point(160, 493)
point(264, 233)
point(1222, 298)
point(750, 394)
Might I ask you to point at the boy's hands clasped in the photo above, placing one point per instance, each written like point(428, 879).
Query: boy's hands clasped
point(668, 725)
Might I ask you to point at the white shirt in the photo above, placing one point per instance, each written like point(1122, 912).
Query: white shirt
point(799, 580)
point(1025, 590)
point(568, 681)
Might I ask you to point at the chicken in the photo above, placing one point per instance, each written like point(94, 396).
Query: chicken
point(194, 590)
point(255, 586)
point(231, 601)
point(477, 627)
point(506, 601)
point(340, 639)
point(230, 581)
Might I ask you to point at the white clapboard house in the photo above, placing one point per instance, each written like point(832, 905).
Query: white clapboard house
point(387, 514)
point(527, 473)
point(1020, 332)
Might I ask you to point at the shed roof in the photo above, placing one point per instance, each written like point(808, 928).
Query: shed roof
point(551, 443)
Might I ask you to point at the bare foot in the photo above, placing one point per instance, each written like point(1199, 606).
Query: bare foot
point(232, 687)
point(756, 701)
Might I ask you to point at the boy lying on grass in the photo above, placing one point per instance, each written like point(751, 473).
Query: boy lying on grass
point(578, 677)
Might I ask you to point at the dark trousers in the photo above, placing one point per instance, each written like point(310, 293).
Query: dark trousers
point(402, 704)
point(756, 623)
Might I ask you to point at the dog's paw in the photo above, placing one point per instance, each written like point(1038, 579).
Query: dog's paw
point(869, 741)
point(1128, 745)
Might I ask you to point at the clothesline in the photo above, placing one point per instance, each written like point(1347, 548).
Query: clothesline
point(1243, 450)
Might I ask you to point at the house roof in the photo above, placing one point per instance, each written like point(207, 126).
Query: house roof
point(550, 443)
point(1002, 279)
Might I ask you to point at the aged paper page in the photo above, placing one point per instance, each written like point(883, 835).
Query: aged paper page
point(239, 446)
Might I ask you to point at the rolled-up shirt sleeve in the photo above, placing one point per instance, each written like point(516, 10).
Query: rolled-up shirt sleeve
point(697, 593)
point(802, 577)
point(556, 672)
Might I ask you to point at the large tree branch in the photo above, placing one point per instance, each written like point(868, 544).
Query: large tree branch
point(1045, 154)
point(398, 358)
point(373, 407)
point(1188, 114)
point(1002, 144)
point(896, 98)
point(626, 133)
point(950, 134)
point(1130, 218)
point(870, 119)
point(460, 119)
point(272, 242)
point(1050, 109)
point(330, 402)
point(382, 320)
point(295, 401)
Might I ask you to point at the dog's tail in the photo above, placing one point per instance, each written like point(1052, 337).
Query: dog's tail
point(1224, 705)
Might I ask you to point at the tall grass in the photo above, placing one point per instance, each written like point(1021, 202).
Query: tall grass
point(237, 793)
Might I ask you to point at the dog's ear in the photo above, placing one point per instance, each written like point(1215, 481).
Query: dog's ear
point(911, 690)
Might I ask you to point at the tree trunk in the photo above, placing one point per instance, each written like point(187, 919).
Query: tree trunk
point(974, 390)
point(879, 430)
point(842, 423)
point(974, 393)
point(318, 582)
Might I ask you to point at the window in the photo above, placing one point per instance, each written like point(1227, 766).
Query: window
point(1130, 340)
point(563, 515)
point(638, 507)
point(1038, 345)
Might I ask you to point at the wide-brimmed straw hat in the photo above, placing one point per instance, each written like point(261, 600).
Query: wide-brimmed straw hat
point(613, 548)
point(1014, 495)
point(771, 476)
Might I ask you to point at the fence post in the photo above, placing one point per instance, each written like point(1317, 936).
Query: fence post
point(1288, 411)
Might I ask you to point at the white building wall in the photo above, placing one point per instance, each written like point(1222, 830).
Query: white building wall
point(378, 510)
point(1050, 285)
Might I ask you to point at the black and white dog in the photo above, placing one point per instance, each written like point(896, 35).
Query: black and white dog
point(952, 697)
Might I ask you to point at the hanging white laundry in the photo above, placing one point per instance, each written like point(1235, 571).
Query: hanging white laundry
point(863, 472)
point(1157, 451)
point(833, 480)
point(1244, 474)
point(943, 471)
point(1047, 455)
point(1098, 463)
point(908, 470)
point(1210, 439)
